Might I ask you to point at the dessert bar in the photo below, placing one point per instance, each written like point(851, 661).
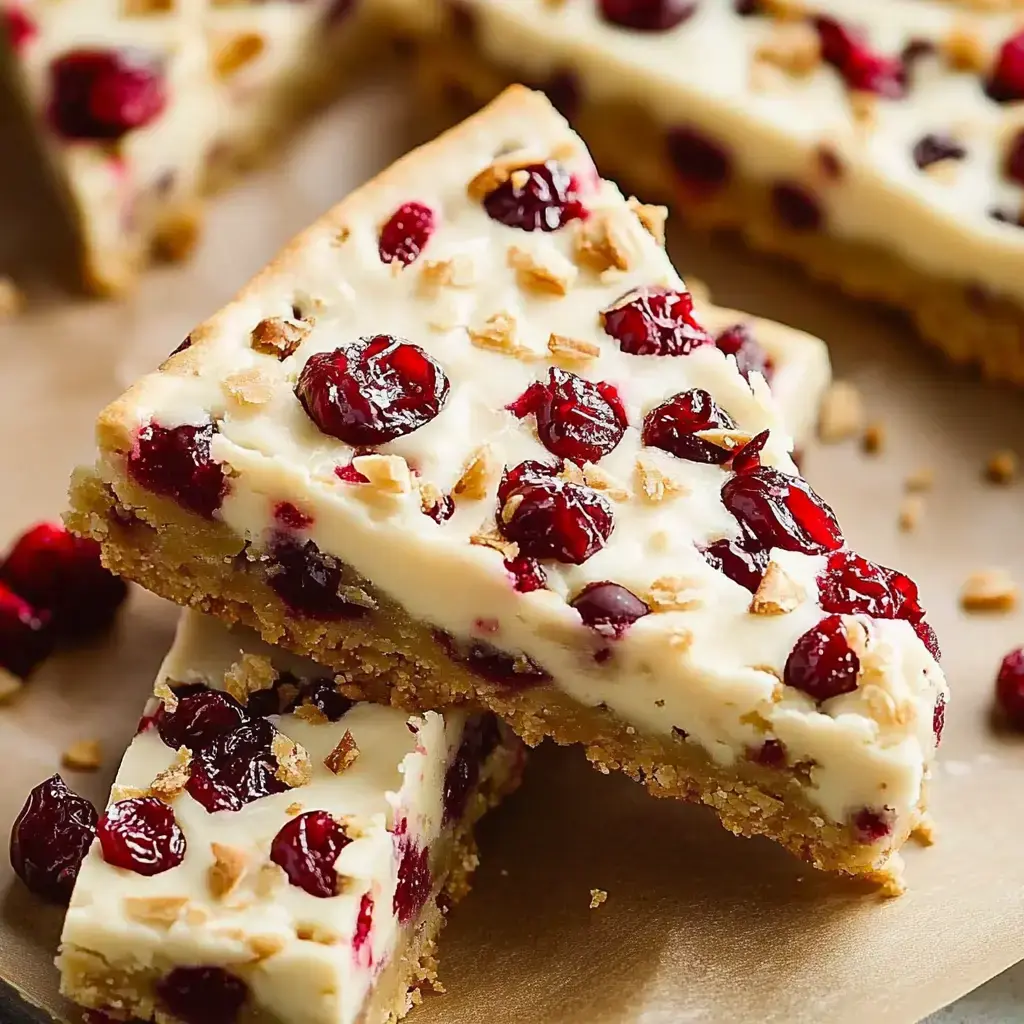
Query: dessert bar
point(274, 851)
point(468, 438)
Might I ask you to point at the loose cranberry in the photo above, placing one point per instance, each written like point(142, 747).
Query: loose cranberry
point(747, 457)
point(372, 391)
point(350, 475)
point(608, 608)
point(235, 768)
point(771, 754)
point(101, 95)
point(577, 419)
point(176, 462)
point(702, 165)
point(744, 561)
point(527, 574)
point(406, 233)
point(851, 584)
point(21, 29)
point(202, 995)
point(796, 207)
point(674, 424)
point(647, 15)
point(870, 826)
point(939, 717)
point(308, 581)
point(927, 636)
point(548, 199)
point(1010, 687)
point(291, 517)
point(750, 356)
point(322, 695)
point(26, 635)
point(1007, 81)
point(655, 322)
point(442, 510)
point(931, 148)
point(782, 511)
point(361, 945)
point(1015, 158)
point(199, 719)
point(822, 663)
point(861, 69)
point(50, 837)
point(141, 835)
point(307, 847)
point(414, 881)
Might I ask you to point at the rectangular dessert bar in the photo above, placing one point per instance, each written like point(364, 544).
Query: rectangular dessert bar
point(273, 851)
point(468, 438)
point(876, 142)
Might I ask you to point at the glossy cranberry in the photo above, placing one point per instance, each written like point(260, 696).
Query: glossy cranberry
point(26, 635)
point(931, 148)
point(647, 15)
point(287, 515)
point(20, 28)
point(862, 69)
point(372, 391)
point(527, 574)
point(414, 881)
point(770, 754)
point(608, 608)
point(101, 95)
point(350, 475)
point(851, 584)
point(442, 510)
point(406, 233)
point(577, 419)
point(750, 356)
point(744, 560)
point(870, 826)
point(782, 511)
point(927, 636)
point(176, 462)
point(50, 837)
point(1006, 83)
point(1010, 687)
point(361, 945)
point(702, 166)
point(796, 207)
point(200, 718)
point(202, 995)
point(307, 847)
point(532, 471)
point(655, 322)
point(673, 427)
point(308, 581)
point(747, 457)
point(1015, 158)
point(822, 663)
point(141, 835)
point(939, 718)
point(322, 695)
point(547, 200)
point(51, 568)
point(509, 670)
point(235, 768)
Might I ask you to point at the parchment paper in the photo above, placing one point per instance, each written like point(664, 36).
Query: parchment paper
point(698, 925)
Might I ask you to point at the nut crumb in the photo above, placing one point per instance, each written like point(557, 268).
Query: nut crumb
point(572, 350)
point(1001, 467)
point(10, 685)
point(160, 911)
point(489, 537)
point(597, 897)
point(253, 673)
point(874, 437)
point(294, 767)
point(277, 337)
point(793, 47)
point(235, 53)
point(264, 946)
point(602, 243)
point(652, 218)
point(227, 869)
point(601, 480)
point(499, 335)
point(167, 697)
point(554, 276)
point(457, 272)
point(673, 594)
point(386, 474)
point(293, 808)
point(778, 593)
point(911, 511)
point(172, 780)
point(477, 474)
point(311, 713)
point(989, 590)
point(498, 172)
point(248, 387)
point(920, 480)
point(654, 484)
point(842, 413)
point(83, 756)
point(270, 878)
point(965, 50)
point(344, 755)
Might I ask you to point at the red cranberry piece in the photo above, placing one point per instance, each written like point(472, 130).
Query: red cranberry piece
point(53, 569)
point(307, 847)
point(291, 517)
point(747, 457)
point(744, 561)
point(870, 826)
point(141, 835)
point(459, 780)
point(796, 207)
point(486, 661)
point(322, 695)
point(770, 754)
point(861, 69)
point(235, 768)
point(50, 837)
point(927, 636)
point(931, 148)
point(647, 15)
point(750, 356)
point(531, 471)
point(702, 165)
point(361, 945)
point(527, 574)
point(782, 511)
point(674, 424)
point(655, 322)
point(939, 717)
point(1015, 158)
point(851, 584)
point(308, 581)
point(577, 419)
point(442, 510)
point(414, 881)
point(822, 663)
point(1010, 687)
point(202, 995)
point(20, 28)
point(373, 391)
point(26, 635)
point(547, 200)
point(350, 475)
point(101, 95)
point(406, 233)
point(200, 718)
point(1007, 81)
point(608, 608)
point(176, 462)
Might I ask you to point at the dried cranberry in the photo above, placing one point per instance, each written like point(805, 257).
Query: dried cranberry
point(674, 424)
point(1006, 83)
point(647, 15)
point(141, 835)
point(861, 69)
point(26, 635)
point(796, 207)
point(308, 581)
point(322, 695)
point(770, 754)
point(527, 574)
point(747, 457)
point(20, 28)
point(202, 995)
point(750, 356)
point(1010, 687)
point(442, 510)
point(101, 95)
point(939, 717)
point(486, 661)
point(50, 837)
point(307, 847)
point(931, 148)
point(291, 517)
point(372, 391)
point(176, 462)
point(350, 475)
point(851, 584)
point(577, 419)
point(927, 636)
point(200, 718)
point(822, 664)
point(548, 199)
point(870, 826)
point(782, 511)
point(1015, 158)
point(406, 233)
point(531, 471)
point(414, 881)
point(608, 608)
point(702, 165)
point(744, 561)
point(361, 945)
point(655, 322)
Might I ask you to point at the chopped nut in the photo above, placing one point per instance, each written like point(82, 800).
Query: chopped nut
point(778, 593)
point(270, 879)
point(1001, 467)
point(570, 473)
point(652, 218)
point(500, 171)
point(316, 932)
point(12, 298)
point(294, 808)
point(264, 946)
point(235, 53)
point(725, 437)
point(344, 755)
point(293, 765)
point(597, 897)
point(277, 337)
point(10, 685)
point(508, 510)
point(874, 437)
point(356, 595)
point(920, 480)
point(248, 387)
point(911, 510)
point(841, 414)
point(602, 243)
point(654, 484)
point(572, 350)
point(457, 272)
point(964, 49)
point(430, 494)
point(253, 673)
point(172, 780)
point(476, 475)
point(601, 480)
point(311, 713)
point(785, 10)
point(167, 697)
point(385, 473)
point(989, 590)
point(554, 276)
point(793, 47)
point(160, 911)
point(227, 869)
point(673, 594)
point(499, 335)
point(83, 756)
point(489, 537)
point(119, 793)
point(131, 8)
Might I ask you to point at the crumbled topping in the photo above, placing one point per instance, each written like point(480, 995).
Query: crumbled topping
point(480, 469)
point(269, 879)
point(654, 484)
point(572, 350)
point(159, 911)
point(12, 298)
point(430, 494)
point(884, 708)
point(253, 673)
point(264, 946)
point(964, 48)
point(499, 335)
point(457, 272)
point(311, 713)
point(171, 782)
point(673, 594)
point(793, 47)
point(989, 590)
point(497, 173)
point(508, 510)
point(601, 480)
point(489, 537)
point(356, 595)
point(227, 869)
point(118, 793)
point(83, 756)
point(604, 242)
point(570, 473)
point(294, 807)
point(946, 171)
point(874, 437)
point(10, 685)
point(554, 274)
point(167, 697)
point(652, 218)
point(277, 337)
point(725, 438)
point(344, 755)
point(233, 54)
point(597, 897)
point(248, 387)
point(294, 767)
point(778, 593)
point(387, 474)
point(920, 480)
point(910, 513)
point(842, 413)
point(1001, 467)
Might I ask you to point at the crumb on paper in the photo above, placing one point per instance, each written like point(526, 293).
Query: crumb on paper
point(874, 437)
point(911, 511)
point(83, 756)
point(841, 415)
point(989, 590)
point(597, 897)
point(921, 479)
point(10, 685)
point(1001, 467)
point(12, 298)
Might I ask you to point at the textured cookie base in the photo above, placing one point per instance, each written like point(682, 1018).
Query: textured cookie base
point(391, 658)
point(968, 324)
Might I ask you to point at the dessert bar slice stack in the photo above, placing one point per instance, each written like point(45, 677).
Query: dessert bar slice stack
point(468, 439)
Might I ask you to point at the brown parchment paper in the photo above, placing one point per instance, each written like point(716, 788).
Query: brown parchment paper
point(698, 925)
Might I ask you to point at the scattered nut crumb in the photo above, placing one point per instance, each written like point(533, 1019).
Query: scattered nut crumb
point(344, 755)
point(498, 172)
point(269, 879)
point(989, 590)
point(277, 337)
point(654, 484)
point(778, 593)
point(457, 272)
point(673, 594)
point(387, 474)
point(10, 685)
point(236, 52)
point(264, 946)
point(12, 298)
point(965, 50)
point(499, 335)
point(652, 218)
point(160, 911)
point(248, 387)
point(920, 480)
point(1001, 467)
point(511, 506)
point(570, 473)
point(489, 537)
point(293, 808)
point(554, 276)
point(476, 475)
point(842, 413)
point(874, 437)
point(911, 511)
point(172, 780)
point(793, 47)
point(167, 697)
point(601, 480)
point(597, 897)
point(294, 767)
point(83, 756)
point(572, 350)
point(253, 673)
point(227, 869)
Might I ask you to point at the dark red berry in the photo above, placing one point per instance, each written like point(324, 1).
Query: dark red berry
point(531, 471)
point(372, 391)
point(1010, 687)
point(406, 233)
point(548, 199)
point(673, 427)
point(101, 95)
point(322, 695)
point(939, 717)
point(647, 15)
point(869, 826)
point(350, 475)
point(26, 635)
point(199, 718)
point(822, 664)
point(702, 166)
point(655, 322)
point(782, 511)
point(50, 837)
point(176, 462)
point(527, 574)
point(770, 754)
point(459, 780)
point(361, 945)
point(931, 148)
point(307, 847)
point(851, 584)
point(202, 995)
point(442, 510)
point(577, 419)
point(287, 515)
point(1015, 158)
point(862, 69)
point(414, 880)
point(509, 670)
point(141, 835)
point(20, 28)
point(744, 560)
point(1006, 83)
point(750, 356)
point(608, 608)
point(927, 636)
point(796, 207)
point(308, 581)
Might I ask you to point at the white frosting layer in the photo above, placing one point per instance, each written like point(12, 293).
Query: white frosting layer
point(399, 774)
